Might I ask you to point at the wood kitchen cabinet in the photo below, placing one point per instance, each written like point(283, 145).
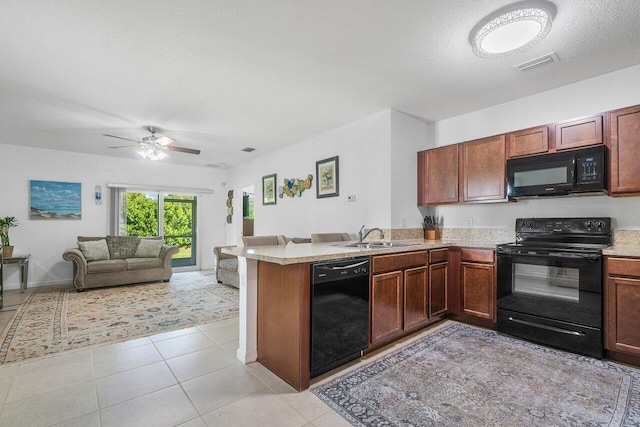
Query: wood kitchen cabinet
point(438, 175)
point(483, 169)
point(622, 305)
point(527, 142)
point(478, 283)
point(399, 286)
point(438, 282)
point(386, 305)
point(624, 152)
point(582, 132)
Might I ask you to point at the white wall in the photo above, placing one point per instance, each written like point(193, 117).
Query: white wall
point(603, 93)
point(46, 240)
point(408, 136)
point(367, 164)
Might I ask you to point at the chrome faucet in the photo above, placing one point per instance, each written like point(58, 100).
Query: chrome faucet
point(361, 236)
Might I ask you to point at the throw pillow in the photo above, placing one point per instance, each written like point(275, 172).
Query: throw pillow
point(149, 248)
point(121, 247)
point(95, 250)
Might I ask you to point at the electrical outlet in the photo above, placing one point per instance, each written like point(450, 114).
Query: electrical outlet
point(469, 221)
point(351, 198)
point(404, 223)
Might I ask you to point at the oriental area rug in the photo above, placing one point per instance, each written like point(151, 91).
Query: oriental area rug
point(466, 376)
point(57, 319)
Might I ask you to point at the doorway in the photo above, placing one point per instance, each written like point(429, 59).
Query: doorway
point(248, 199)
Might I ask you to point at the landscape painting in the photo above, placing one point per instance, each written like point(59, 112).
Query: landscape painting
point(55, 200)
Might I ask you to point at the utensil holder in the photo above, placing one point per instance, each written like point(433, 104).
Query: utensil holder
point(432, 234)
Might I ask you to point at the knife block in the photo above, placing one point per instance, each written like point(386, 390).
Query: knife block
point(432, 234)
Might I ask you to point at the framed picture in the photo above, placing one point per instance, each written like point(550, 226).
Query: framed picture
point(55, 200)
point(269, 189)
point(327, 177)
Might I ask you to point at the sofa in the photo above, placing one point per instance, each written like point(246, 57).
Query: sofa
point(227, 265)
point(119, 260)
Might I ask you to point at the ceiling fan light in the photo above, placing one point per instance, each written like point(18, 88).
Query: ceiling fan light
point(512, 29)
point(158, 155)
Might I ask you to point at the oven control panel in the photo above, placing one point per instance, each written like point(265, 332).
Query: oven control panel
point(564, 225)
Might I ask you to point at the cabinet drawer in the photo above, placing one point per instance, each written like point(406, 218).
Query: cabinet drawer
point(623, 266)
point(477, 255)
point(399, 261)
point(438, 255)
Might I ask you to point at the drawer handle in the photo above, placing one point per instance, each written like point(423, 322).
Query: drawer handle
point(550, 328)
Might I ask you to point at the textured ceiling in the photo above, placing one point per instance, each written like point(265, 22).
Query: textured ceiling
point(223, 75)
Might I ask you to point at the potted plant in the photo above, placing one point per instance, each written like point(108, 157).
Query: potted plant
point(6, 223)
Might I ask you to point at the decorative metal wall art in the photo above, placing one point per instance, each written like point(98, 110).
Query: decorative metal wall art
point(294, 186)
point(229, 206)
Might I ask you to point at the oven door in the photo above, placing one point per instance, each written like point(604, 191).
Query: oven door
point(554, 298)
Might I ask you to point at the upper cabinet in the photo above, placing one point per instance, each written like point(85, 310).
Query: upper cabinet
point(528, 141)
point(438, 175)
point(474, 171)
point(579, 133)
point(625, 152)
point(483, 169)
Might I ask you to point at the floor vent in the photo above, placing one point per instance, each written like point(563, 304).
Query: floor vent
point(248, 149)
point(538, 62)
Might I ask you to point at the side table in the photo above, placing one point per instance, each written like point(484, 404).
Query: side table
point(23, 262)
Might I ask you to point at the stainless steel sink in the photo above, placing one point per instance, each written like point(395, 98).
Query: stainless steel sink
point(374, 245)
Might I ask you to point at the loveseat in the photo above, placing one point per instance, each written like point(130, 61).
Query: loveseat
point(119, 260)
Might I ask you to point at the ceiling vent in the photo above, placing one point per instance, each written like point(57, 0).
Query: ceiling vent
point(216, 166)
point(538, 62)
point(248, 149)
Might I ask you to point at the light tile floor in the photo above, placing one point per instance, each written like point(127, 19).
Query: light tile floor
point(189, 377)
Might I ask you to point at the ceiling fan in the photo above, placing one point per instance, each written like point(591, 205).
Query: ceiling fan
point(153, 147)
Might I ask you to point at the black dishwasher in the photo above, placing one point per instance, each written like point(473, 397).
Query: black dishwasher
point(339, 312)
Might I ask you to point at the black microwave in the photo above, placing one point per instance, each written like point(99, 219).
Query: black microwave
point(574, 172)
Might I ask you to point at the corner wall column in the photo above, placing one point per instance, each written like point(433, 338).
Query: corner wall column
point(248, 318)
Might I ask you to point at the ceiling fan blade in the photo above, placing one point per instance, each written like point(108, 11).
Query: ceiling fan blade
point(126, 146)
point(164, 140)
point(183, 150)
point(119, 137)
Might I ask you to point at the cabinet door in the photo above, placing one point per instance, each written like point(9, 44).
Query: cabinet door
point(438, 176)
point(622, 308)
point(415, 296)
point(386, 305)
point(483, 169)
point(478, 290)
point(625, 151)
point(438, 289)
point(528, 141)
point(579, 133)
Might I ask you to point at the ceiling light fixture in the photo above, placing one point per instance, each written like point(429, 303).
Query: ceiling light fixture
point(153, 153)
point(512, 28)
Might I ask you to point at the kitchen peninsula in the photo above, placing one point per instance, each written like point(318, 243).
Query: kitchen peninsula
point(275, 298)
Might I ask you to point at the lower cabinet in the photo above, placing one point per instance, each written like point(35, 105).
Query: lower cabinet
point(415, 296)
point(438, 282)
point(478, 283)
point(399, 298)
point(622, 305)
point(386, 305)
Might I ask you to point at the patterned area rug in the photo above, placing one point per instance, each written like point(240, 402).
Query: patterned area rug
point(56, 319)
point(466, 376)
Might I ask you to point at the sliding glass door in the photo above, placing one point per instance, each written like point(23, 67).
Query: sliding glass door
point(179, 225)
point(172, 216)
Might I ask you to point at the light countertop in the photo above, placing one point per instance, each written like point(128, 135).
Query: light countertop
point(296, 253)
point(622, 251)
